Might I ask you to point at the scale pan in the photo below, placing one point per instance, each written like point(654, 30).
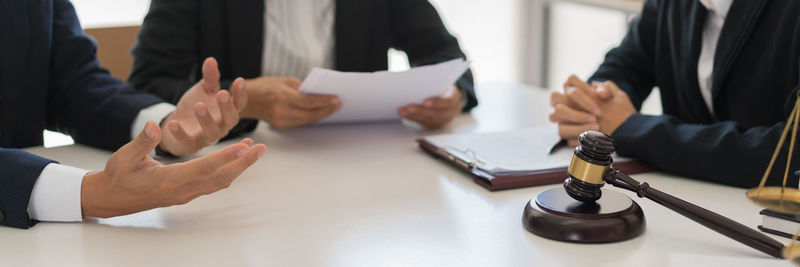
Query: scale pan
point(792, 253)
point(780, 199)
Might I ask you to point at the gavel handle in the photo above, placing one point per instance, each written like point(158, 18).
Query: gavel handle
point(707, 218)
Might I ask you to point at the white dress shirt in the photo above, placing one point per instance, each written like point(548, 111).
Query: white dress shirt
point(56, 195)
point(298, 36)
point(717, 10)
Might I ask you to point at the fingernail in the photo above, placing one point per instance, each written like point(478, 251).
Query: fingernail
point(225, 98)
point(260, 153)
point(149, 131)
point(201, 112)
point(173, 127)
point(240, 152)
point(335, 101)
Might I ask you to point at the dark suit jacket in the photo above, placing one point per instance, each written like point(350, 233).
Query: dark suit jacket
point(50, 78)
point(755, 81)
point(177, 35)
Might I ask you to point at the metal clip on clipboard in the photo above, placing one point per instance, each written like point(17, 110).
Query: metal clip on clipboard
point(466, 158)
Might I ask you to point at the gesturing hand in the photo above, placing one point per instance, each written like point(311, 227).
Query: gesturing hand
point(204, 113)
point(277, 101)
point(132, 181)
point(434, 112)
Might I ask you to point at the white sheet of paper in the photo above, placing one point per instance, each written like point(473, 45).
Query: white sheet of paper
point(375, 96)
point(512, 151)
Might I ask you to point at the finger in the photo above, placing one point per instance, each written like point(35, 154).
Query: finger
point(309, 101)
point(292, 82)
point(187, 143)
point(247, 141)
point(210, 75)
point(211, 131)
point(229, 172)
point(239, 93)
point(212, 163)
point(613, 89)
point(570, 131)
point(429, 118)
point(565, 114)
point(440, 102)
point(574, 81)
point(309, 116)
point(229, 114)
point(557, 98)
point(224, 176)
point(573, 142)
point(582, 100)
point(146, 141)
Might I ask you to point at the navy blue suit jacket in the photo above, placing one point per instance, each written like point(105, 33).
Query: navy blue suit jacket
point(755, 80)
point(50, 79)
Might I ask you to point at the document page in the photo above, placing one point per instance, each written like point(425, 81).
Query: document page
point(376, 96)
point(512, 151)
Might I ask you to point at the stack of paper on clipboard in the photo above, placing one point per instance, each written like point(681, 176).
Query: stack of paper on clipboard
point(512, 159)
point(376, 96)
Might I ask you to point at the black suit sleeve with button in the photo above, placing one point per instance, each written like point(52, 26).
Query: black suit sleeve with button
point(50, 78)
point(755, 82)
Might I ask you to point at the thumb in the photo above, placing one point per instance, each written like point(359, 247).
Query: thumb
point(211, 75)
point(146, 141)
point(605, 91)
point(293, 82)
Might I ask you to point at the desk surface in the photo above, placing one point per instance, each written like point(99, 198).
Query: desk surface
point(365, 195)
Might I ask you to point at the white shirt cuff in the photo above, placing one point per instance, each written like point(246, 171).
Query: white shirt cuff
point(56, 195)
point(154, 113)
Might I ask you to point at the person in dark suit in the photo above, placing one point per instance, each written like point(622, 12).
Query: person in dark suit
point(273, 43)
point(50, 79)
point(728, 75)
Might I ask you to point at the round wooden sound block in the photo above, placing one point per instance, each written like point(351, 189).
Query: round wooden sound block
point(555, 215)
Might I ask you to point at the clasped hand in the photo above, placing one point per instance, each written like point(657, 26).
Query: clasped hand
point(581, 107)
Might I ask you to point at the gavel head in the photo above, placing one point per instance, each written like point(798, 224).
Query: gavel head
point(590, 163)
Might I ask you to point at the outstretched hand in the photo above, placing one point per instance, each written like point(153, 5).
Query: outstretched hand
point(204, 113)
point(132, 181)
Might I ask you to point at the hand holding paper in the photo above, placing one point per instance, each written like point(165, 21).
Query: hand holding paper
point(277, 101)
point(377, 96)
point(434, 112)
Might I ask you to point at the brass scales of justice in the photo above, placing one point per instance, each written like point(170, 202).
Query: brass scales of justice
point(583, 212)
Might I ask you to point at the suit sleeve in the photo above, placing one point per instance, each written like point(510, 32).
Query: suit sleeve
point(18, 173)
point(725, 152)
point(84, 100)
point(165, 57)
point(418, 30)
point(631, 64)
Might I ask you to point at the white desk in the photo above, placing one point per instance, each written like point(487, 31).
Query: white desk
point(365, 195)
